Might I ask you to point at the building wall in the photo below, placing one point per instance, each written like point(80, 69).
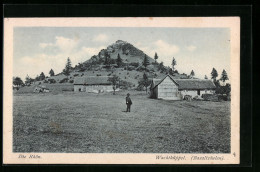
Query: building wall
point(79, 87)
point(167, 89)
point(194, 93)
point(99, 88)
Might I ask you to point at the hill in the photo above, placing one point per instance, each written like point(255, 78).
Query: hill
point(127, 52)
point(129, 68)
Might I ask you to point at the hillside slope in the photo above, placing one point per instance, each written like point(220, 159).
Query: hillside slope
point(130, 71)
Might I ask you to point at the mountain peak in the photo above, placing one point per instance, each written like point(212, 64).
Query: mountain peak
point(120, 42)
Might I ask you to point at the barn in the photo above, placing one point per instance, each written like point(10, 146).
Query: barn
point(175, 89)
point(92, 84)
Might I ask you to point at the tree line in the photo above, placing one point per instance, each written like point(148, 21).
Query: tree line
point(18, 82)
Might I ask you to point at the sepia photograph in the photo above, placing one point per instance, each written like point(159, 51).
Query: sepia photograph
point(160, 87)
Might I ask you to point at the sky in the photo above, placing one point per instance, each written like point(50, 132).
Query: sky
point(39, 49)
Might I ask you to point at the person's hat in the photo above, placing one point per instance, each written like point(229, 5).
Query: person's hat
point(128, 94)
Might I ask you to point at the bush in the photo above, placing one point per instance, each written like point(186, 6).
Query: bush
point(71, 81)
point(135, 64)
point(51, 81)
point(125, 85)
point(77, 75)
point(223, 97)
point(98, 74)
point(64, 80)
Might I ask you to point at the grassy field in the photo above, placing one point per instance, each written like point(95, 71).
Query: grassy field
point(82, 122)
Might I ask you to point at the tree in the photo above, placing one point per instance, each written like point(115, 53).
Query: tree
point(224, 76)
point(145, 62)
point(28, 80)
point(42, 76)
point(114, 80)
point(67, 69)
point(81, 66)
point(156, 57)
point(18, 82)
point(170, 71)
point(37, 78)
point(145, 82)
point(51, 73)
point(161, 66)
point(192, 74)
point(214, 74)
point(174, 63)
point(205, 77)
point(118, 60)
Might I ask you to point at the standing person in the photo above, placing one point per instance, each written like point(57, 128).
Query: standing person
point(128, 103)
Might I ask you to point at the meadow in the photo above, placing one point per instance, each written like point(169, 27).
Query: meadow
point(97, 123)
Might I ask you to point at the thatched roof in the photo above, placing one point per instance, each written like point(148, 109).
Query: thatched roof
point(92, 80)
point(188, 84)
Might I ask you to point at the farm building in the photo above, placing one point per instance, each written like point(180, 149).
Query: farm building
point(94, 84)
point(176, 89)
point(41, 88)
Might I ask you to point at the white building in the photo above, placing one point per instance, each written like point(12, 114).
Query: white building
point(175, 89)
point(94, 84)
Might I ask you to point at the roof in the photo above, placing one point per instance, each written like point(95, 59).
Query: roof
point(188, 84)
point(92, 80)
point(195, 84)
point(156, 82)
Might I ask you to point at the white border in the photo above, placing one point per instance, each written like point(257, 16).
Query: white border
point(138, 158)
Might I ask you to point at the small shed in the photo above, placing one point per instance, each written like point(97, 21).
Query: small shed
point(175, 89)
point(94, 84)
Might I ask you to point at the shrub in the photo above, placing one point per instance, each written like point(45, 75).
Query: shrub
point(71, 81)
point(64, 80)
point(135, 64)
point(125, 84)
point(51, 81)
point(77, 75)
point(98, 74)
